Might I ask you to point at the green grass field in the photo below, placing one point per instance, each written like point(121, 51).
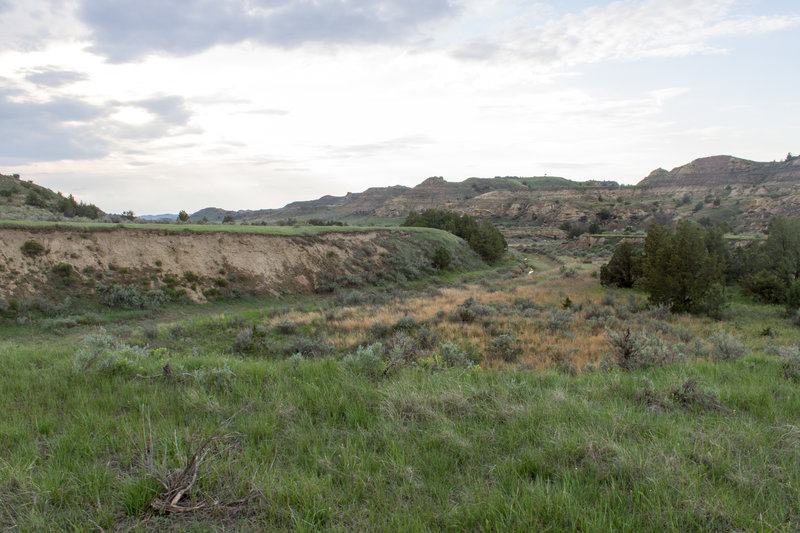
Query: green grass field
point(233, 228)
point(342, 438)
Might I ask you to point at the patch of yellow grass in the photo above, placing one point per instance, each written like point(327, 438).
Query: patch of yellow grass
point(578, 344)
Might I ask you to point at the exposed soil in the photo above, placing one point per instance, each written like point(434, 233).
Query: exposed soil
point(264, 263)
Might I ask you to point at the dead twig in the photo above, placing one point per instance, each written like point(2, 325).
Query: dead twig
point(97, 526)
point(178, 484)
point(166, 373)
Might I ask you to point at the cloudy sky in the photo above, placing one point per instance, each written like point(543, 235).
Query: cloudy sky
point(157, 106)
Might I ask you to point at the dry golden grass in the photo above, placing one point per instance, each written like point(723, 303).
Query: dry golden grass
point(547, 335)
point(579, 343)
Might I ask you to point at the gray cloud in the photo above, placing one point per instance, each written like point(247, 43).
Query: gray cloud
point(70, 128)
point(389, 145)
point(49, 131)
point(54, 77)
point(170, 109)
point(127, 30)
point(478, 49)
point(5, 5)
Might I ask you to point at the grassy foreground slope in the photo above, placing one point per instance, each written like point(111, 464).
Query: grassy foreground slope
point(395, 439)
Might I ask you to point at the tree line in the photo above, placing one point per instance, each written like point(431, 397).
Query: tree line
point(485, 239)
point(692, 269)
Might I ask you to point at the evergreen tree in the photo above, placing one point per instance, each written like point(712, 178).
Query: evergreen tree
point(624, 268)
point(679, 270)
point(783, 248)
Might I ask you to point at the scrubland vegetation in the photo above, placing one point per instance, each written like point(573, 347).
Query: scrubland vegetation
point(523, 396)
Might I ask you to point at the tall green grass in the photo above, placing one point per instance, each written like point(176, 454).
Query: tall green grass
point(317, 445)
point(230, 228)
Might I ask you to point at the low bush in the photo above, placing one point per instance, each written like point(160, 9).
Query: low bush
point(308, 347)
point(284, 327)
point(634, 349)
point(453, 356)
point(380, 330)
point(129, 296)
point(32, 248)
point(105, 353)
point(559, 319)
point(505, 347)
point(470, 310)
point(427, 337)
point(791, 366)
point(689, 396)
point(524, 304)
point(63, 270)
point(243, 341)
point(407, 324)
point(367, 360)
point(726, 347)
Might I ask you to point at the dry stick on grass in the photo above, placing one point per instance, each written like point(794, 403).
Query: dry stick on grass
point(178, 483)
point(166, 373)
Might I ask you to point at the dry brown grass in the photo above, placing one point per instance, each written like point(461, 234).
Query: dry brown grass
point(579, 343)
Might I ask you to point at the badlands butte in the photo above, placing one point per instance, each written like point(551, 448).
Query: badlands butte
point(205, 262)
point(744, 194)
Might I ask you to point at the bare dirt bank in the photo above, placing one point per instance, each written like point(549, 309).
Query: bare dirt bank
point(199, 263)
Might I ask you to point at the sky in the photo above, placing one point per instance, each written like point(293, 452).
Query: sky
point(157, 106)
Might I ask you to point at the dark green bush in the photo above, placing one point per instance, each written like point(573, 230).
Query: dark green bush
point(765, 286)
point(441, 258)
point(34, 199)
point(63, 269)
point(32, 248)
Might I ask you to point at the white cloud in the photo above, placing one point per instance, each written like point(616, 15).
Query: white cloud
point(254, 124)
point(623, 30)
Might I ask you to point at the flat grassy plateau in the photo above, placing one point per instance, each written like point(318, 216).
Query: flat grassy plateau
point(472, 402)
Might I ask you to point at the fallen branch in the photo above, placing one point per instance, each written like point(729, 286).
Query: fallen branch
point(178, 484)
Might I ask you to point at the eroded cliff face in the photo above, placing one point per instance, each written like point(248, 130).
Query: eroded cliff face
point(547, 206)
point(197, 262)
point(725, 172)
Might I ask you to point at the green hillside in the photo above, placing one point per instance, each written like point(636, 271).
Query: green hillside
point(24, 200)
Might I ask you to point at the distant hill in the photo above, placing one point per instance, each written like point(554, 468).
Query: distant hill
point(721, 189)
point(724, 171)
point(156, 218)
point(390, 203)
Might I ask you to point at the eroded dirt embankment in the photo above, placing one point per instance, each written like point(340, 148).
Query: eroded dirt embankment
point(199, 263)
